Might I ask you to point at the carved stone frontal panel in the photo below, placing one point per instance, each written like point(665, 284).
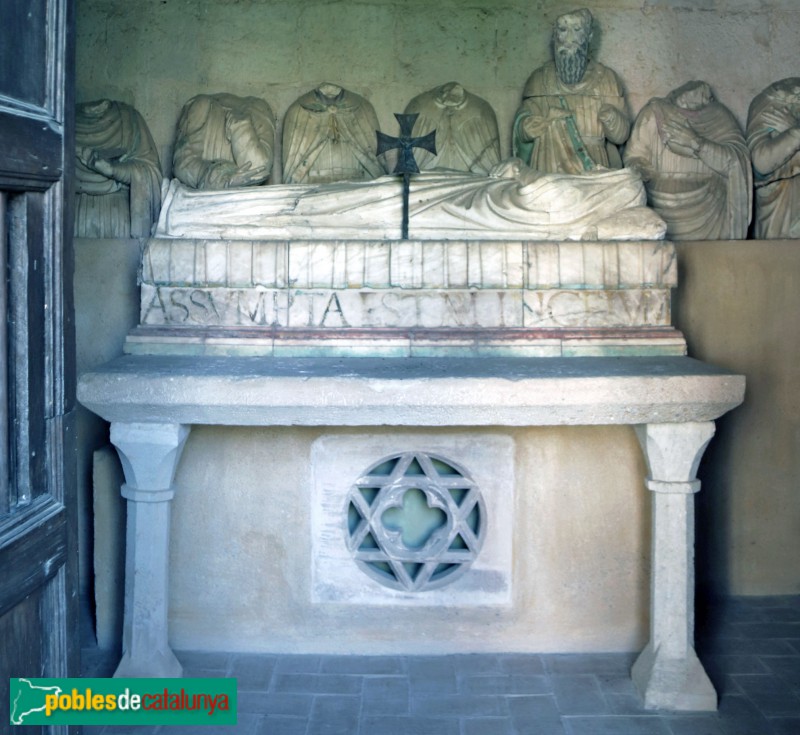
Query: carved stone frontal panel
point(416, 518)
point(415, 521)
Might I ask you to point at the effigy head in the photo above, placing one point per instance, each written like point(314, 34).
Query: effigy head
point(572, 34)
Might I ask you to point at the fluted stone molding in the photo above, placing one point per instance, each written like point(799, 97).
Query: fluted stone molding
point(149, 454)
point(668, 673)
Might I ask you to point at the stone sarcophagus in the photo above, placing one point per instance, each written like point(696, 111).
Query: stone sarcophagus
point(406, 298)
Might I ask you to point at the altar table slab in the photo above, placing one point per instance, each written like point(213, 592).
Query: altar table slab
point(672, 402)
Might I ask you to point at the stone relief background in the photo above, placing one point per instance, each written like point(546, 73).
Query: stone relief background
point(156, 54)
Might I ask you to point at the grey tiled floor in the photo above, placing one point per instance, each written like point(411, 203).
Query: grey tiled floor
point(750, 647)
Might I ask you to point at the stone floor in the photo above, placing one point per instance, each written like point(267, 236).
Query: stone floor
point(750, 647)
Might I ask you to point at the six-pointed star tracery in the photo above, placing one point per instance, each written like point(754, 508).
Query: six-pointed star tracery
point(415, 521)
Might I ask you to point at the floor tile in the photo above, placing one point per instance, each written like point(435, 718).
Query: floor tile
point(614, 725)
point(750, 647)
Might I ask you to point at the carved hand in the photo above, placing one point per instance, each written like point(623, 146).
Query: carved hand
point(248, 176)
point(607, 115)
point(681, 139)
point(534, 125)
point(641, 167)
point(90, 158)
point(506, 169)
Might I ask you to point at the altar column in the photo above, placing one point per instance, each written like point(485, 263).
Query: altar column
point(149, 454)
point(668, 673)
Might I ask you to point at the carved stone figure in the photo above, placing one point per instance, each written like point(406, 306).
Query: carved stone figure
point(573, 113)
point(117, 172)
point(692, 156)
point(224, 141)
point(515, 202)
point(467, 138)
point(773, 135)
point(329, 135)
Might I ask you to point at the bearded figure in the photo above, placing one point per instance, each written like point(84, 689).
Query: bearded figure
point(572, 116)
point(773, 136)
point(467, 138)
point(328, 136)
point(693, 159)
point(117, 172)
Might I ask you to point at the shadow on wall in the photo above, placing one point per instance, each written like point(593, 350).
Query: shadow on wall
point(738, 306)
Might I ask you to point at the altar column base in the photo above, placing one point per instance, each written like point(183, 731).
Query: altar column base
point(149, 454)
point(668, 673)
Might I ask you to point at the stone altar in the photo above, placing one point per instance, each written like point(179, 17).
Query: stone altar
point(418, 333)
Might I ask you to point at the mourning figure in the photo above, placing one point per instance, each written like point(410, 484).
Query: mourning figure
point(117, 172)
point(467, 138)
point(573, 114)
point(329, 135)
point(692, 156)
point(223, 142)
point(773, 136)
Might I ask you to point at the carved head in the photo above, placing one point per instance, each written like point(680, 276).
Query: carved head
point(96, 108)
point(691, 96)
point(787, 89)
point(451, 94)
point(572, 34)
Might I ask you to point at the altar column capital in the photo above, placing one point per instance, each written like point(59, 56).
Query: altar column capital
point(149, 454)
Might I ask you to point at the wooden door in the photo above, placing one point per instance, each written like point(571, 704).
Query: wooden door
point(38, 528)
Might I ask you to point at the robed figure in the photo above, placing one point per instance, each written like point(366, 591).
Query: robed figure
point(692, 156)
point(773, 135)
point(117, 172)
point(328, 136)
point(223, 142)
point(467, 137)
point(573, 113)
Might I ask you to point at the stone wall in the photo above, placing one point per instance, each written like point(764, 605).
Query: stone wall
point(156, 54)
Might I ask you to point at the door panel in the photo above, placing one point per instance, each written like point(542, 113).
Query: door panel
point(38, 551)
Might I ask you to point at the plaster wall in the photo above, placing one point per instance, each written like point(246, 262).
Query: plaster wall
point(156, 54)
point(579, 538)
point(738, 303)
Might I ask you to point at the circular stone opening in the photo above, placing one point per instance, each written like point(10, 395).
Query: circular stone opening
point(414, 521)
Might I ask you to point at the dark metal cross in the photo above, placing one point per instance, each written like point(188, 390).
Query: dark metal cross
point(406, 165)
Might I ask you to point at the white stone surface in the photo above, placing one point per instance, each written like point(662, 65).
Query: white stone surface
point(334, 285)
point(668, 673)
point(412, 392)
point(337, 461)
point(377, 264)
point(514, 202)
